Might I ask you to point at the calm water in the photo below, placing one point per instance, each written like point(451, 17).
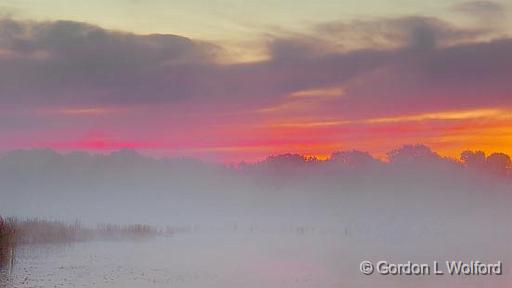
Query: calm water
point(194, 260)
point(223, 260)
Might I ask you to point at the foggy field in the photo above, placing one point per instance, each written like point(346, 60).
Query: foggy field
point(288, 221)
point(232, 259)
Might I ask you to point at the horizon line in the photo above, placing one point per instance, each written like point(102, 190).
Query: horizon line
point(304, 156)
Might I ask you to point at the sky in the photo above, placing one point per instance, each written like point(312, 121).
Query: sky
point(233, 80)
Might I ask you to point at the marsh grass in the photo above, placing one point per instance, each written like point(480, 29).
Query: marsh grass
point(39, 231)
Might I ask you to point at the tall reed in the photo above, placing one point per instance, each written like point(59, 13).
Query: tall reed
point(7, 242)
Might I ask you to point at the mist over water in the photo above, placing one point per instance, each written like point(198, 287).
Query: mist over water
point(283, 222)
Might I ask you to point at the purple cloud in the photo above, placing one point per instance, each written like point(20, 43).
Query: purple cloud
point(433, 66)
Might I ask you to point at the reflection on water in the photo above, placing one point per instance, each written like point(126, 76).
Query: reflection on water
point(219, 260)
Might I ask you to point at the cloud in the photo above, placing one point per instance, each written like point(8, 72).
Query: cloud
point(409, 65)
point(483, 10)
point(66, 61)
point(415, 32)
point(469, 75)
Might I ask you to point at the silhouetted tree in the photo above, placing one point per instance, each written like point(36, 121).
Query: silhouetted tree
point(412, 153)
point(353, 158)
point(499, 163)
point(473, 159)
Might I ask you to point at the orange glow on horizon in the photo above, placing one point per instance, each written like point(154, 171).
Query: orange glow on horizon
point(447, 132)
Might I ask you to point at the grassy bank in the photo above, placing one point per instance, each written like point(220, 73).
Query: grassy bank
point(16, 232)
